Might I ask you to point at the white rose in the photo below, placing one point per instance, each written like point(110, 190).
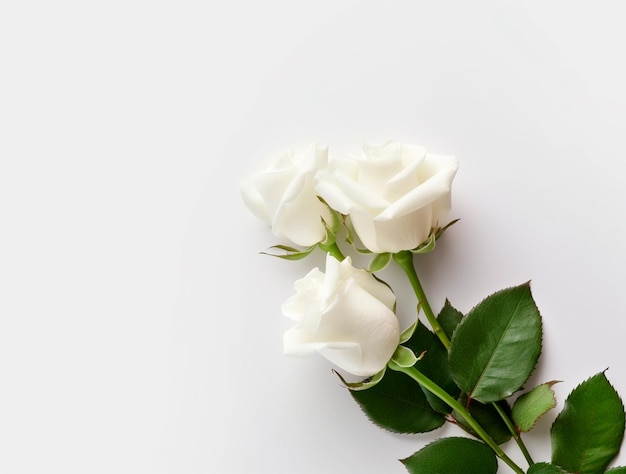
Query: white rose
point(394, 194)
point(284, 196)
point(346, 315)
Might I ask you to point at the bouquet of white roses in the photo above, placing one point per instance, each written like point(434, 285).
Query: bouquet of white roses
point(391, 204)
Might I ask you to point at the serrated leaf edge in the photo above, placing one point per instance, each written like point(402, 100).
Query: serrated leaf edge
point(552, 407)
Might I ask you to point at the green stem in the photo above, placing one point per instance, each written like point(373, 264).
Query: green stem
point(405, 260)
point(445, 397)
point(514, 433)
point(332, 249)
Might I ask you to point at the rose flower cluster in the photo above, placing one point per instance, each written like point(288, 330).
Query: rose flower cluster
point(393, 198)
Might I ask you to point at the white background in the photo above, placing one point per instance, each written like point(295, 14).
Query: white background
point(140, 330)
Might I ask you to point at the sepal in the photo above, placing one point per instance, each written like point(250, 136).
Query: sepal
point(334, 222)
point(405, 357)
point(408, 332)
point(350, 237)
point(440, 230)
point(291, 253)
point(379, 262)
point(363, 384)
point(429, 244)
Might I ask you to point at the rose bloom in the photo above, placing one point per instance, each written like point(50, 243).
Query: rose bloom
point(394, 193)
point(284, 197)
point(346, 315)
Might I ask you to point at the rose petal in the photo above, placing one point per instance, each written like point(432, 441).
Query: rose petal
point(262, 192)
point(293, 218)
point(381, 292)
point(426, 193)
point(408, 178)
point(340, 317)
point(358, 196)
point(393, 235)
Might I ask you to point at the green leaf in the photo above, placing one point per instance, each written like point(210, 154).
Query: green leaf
point(495, 347)
point(531, 406)
point(291, 253)
point(397, 403)
point(545, 468)
point(433, 364)
point(617, 470)
point(452, 456)
point(487, 417)
point(449, 317)
point(588, 433)
point(379, 262)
